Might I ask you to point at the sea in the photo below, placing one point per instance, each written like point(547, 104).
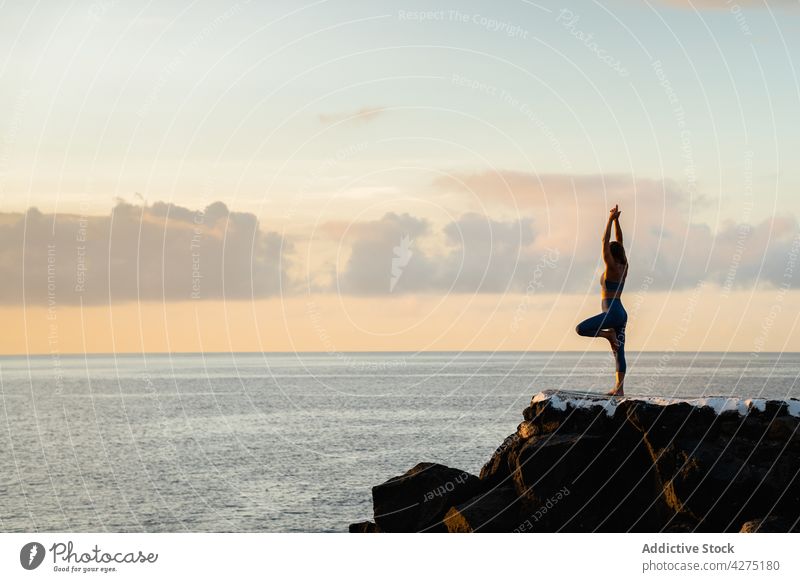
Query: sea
point(288, 442)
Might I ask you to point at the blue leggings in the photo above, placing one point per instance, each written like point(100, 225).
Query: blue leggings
point(613, 317)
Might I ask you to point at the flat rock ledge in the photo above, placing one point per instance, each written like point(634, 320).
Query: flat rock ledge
point(583, 463)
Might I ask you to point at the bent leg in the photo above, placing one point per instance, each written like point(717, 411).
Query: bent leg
point(591, 327)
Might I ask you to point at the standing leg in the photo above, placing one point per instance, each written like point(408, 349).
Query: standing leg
point(619, 355)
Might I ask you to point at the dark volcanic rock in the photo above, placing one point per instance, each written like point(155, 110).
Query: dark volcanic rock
point(721, 469)
point(587, 463)
point(496, 510)
point(772, 524)
point(364, 527)
point(418, 499)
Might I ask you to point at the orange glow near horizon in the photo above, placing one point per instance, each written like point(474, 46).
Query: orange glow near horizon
point(681, 321)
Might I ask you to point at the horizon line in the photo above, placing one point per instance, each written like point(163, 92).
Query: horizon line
point(367, 352)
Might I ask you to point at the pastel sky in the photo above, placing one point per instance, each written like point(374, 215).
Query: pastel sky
point(343, 175)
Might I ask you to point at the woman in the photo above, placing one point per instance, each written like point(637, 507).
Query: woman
point(611, 323)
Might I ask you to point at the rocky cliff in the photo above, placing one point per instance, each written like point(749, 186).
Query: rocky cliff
point(585, 463)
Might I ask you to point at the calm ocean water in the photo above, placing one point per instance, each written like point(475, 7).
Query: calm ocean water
point(286, 442)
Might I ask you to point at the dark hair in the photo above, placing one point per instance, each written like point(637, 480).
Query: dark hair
point(618, 252)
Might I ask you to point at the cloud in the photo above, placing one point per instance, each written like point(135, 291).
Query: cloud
point(663, 240)
point(554, 243)
point(368, 270)
point(164, 252)
point(148, 252)
point(363, 115)
point(570, 210)
point(403, 254)
point(488, 256)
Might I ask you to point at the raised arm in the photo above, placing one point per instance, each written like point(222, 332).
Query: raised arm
point(612, 219)
point(618, 229)
point(607, 238)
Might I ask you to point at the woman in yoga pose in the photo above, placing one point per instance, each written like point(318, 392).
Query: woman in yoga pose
point(611, 323)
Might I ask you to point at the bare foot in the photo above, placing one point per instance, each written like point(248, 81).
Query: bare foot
point(619, 391)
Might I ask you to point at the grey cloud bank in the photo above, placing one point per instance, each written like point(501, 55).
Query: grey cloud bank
point(150, 252)
point(164, 252)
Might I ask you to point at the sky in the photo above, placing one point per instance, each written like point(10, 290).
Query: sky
point(346, 176)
